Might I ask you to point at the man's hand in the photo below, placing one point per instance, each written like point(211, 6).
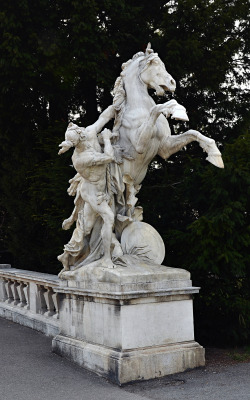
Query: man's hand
point(106, 134)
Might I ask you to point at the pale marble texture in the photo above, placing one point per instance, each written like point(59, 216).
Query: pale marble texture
point(144, 241)
point(129, 324)
point(91, 166)
point(125, 324)
point(112, 165)
point(28, 298)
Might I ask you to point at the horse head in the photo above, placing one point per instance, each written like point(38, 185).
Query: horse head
point(153, 73)
point(149, 69)
point(144, 69)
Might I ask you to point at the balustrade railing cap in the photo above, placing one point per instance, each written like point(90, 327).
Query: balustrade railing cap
point(5, 266)
point(32, 276)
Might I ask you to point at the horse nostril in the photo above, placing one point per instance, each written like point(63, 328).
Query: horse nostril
point(172, 81)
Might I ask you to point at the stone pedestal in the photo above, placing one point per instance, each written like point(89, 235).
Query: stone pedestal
point(129, 324)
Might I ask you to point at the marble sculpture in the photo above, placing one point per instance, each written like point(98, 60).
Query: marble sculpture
point(111, 166)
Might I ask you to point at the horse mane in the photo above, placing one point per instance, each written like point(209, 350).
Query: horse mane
point(119, 93)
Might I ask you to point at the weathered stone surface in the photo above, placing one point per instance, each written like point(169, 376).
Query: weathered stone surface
point(127, 366)
point(28, 298)
point(111, 166)
point(129, 324)
point(37, 322)
point(129, 282)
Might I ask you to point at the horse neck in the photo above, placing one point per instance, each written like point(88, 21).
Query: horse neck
point(136, 92)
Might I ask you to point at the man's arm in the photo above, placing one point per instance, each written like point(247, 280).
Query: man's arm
point(103, 119)
point(100, 159)
point(108, 149)
point(108, 155)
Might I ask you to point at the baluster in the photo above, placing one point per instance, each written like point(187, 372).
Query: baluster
point(3, 293)
point(56, 305)
point(10, 298)
point(26, 294)
point(49, 302)
point(20, 290)
point(16, 298)
point(43, 305)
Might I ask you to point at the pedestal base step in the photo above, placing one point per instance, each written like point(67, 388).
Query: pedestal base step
point(124, 366)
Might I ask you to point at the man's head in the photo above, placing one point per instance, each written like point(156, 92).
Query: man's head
point(73, 135)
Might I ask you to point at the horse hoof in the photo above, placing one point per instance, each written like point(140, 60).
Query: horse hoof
point(216, 160)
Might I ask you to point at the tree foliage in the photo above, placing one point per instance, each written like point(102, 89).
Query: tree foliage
point(59, 61)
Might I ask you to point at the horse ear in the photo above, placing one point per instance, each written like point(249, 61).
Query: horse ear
point(148, 49)
point(70, 124)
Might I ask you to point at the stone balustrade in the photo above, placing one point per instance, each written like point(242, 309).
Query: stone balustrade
point(29, 298)
point(112, 323)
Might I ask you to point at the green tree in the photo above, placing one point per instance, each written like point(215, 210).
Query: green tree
point(203, 213)
point(59, 60)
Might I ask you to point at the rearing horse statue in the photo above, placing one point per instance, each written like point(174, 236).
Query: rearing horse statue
point(143, 128)
point(140, 132)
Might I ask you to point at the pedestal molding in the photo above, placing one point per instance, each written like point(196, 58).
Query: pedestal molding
point(126, 366)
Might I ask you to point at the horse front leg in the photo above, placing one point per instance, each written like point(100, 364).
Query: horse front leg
point(145, 131)
point(172, 144)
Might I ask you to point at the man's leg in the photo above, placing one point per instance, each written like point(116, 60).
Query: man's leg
point(107, 215)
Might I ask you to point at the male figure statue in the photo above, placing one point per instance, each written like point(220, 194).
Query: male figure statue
point(91, 165)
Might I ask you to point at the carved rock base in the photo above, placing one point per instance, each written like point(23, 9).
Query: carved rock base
point(133, 329)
